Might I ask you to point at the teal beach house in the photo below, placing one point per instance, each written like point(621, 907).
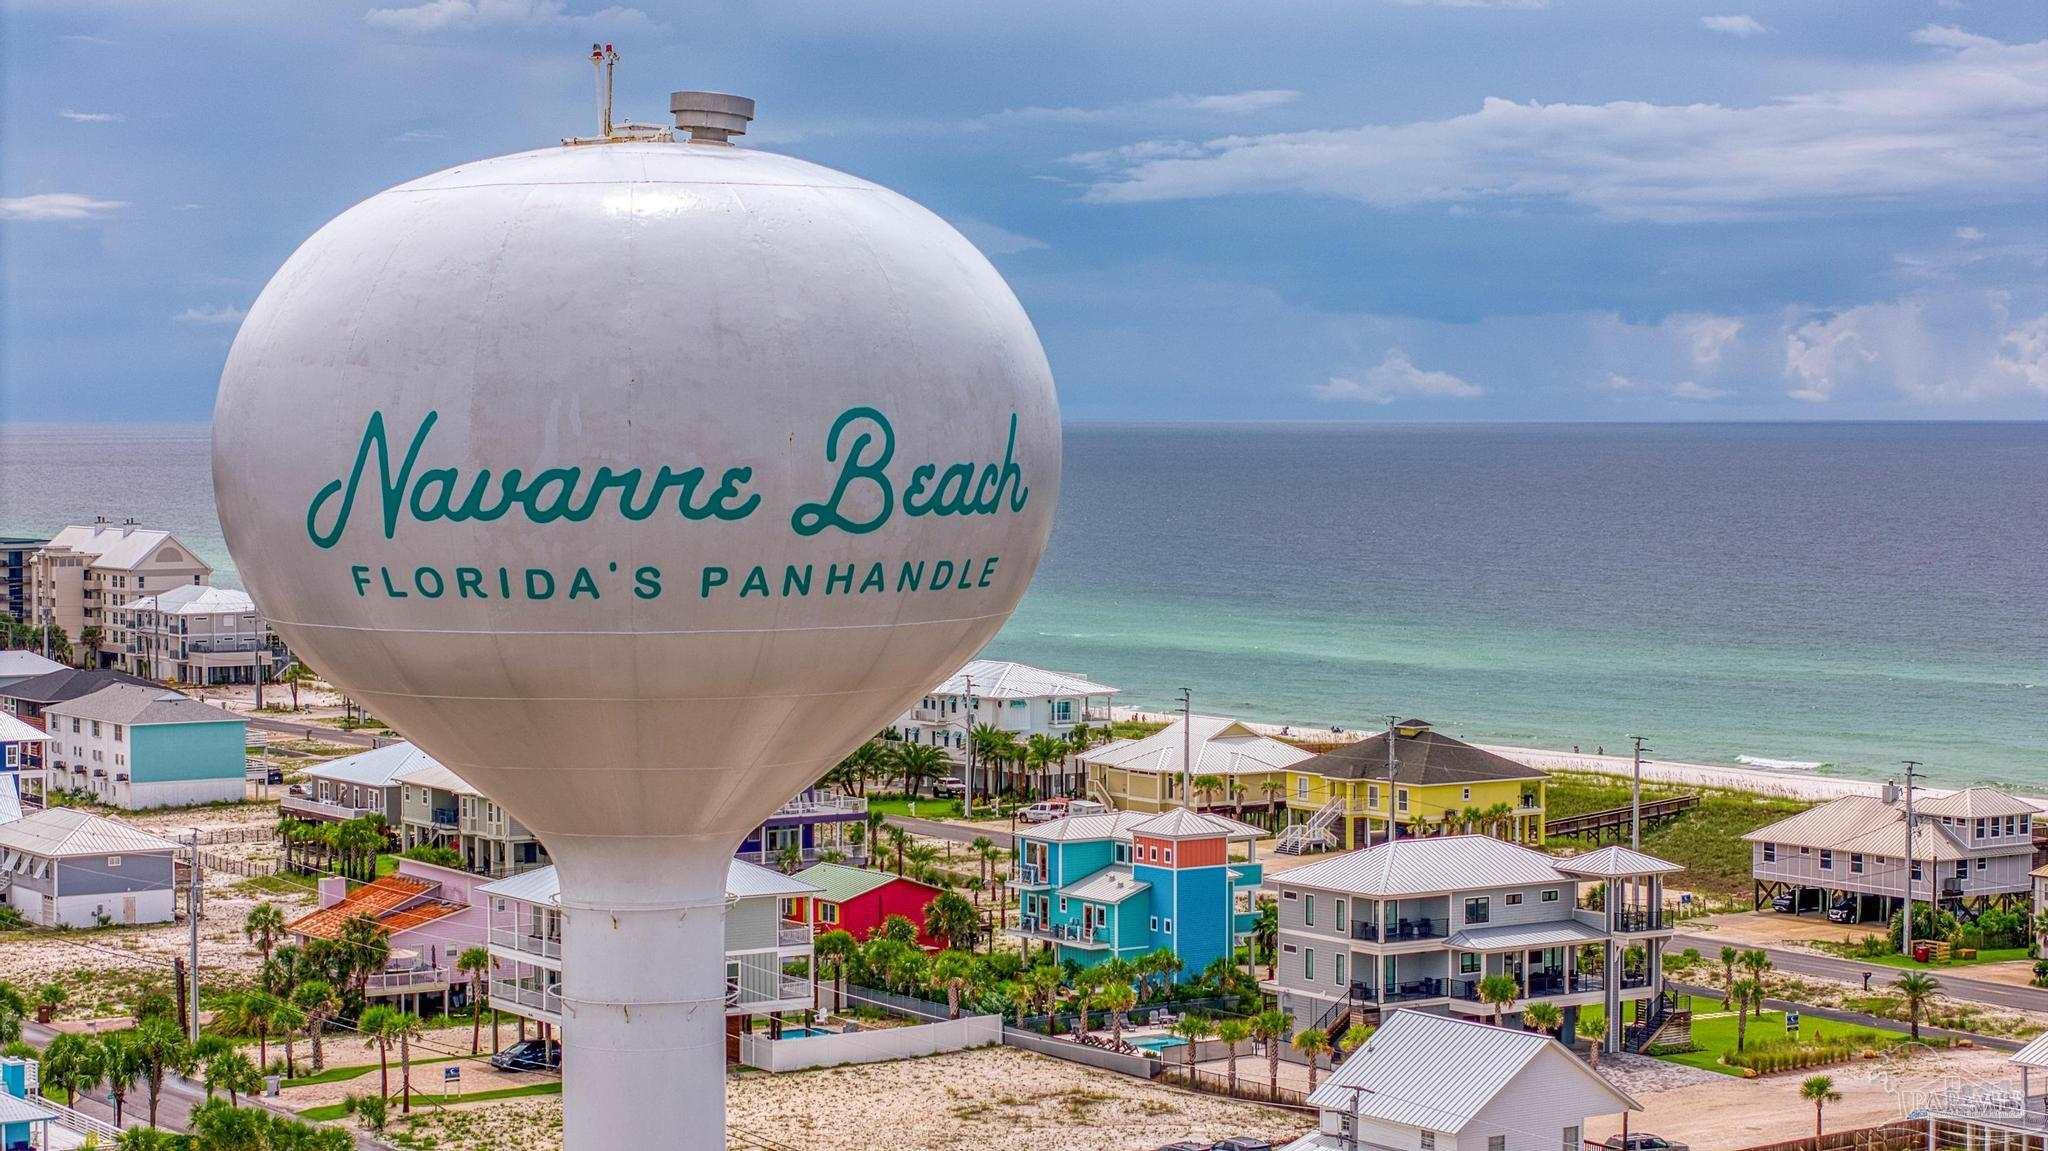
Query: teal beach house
point(1125, 884)
point(133, 747)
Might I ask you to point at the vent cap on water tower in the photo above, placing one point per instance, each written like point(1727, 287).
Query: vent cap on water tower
point(711, 117)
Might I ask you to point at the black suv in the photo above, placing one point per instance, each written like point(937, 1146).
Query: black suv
point(530, 1055)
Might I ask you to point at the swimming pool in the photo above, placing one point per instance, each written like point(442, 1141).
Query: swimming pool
point(803, 1032)
point(1157, 1043)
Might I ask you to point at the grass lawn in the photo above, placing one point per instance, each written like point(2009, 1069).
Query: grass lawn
point(333, 1111)
point(1986, 955)
point(1717, 1035)
point(283, 883)
point(339, 1074)
point(1707, 840)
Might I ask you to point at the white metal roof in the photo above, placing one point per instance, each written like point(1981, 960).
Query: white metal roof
point(1002, 679)
point(378, 768)
point(1437, 1073)
point(1221, 747)
point(14, 1109)
point(1975, 803)
point(1616, 862)
point(122, 546)
point(1120, 825)
point(1430, 866)
point(1515, 936)
point(195, 599)
point(13, 730)
point(67, 832)
point(1829, 824)
point(1112, 884)
point(743, 880)
point(1930, 841)
point(10, 797)
point(429, 772)
point(2034, 1054)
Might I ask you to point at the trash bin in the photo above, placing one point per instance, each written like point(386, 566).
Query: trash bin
point(270, 1084)
point(1922, 953)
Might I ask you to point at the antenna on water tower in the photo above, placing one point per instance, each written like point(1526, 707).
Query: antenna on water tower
point(603, 59)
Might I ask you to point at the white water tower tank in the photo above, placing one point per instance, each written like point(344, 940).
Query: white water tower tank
point(638, 482)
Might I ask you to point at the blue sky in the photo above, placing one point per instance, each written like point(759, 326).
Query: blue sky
point(1303, 210)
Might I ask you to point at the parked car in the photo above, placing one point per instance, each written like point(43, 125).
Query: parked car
point(529, 1055)
point(1643, 1142)
point(1843, 911)
point(1242, 1143)
point(1797, 900)
point(1044, 811)
point(949, 788)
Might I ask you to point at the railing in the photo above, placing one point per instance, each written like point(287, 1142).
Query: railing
point(1589, 981)
point(1634, 980)
point(1028, 875)
point(1250, 1084)
point(1061, 932)
point(527, 942)
point(822, 803)
point(538, 998)
point(395, 981)
point(444, 817)
point(1634, 919)
point(787, 987)
point(326, 810)
point(1427, 988)
point(1401, 930)
point(81, 1123)
point(793, 935)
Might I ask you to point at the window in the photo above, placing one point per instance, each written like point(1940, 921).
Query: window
point(1429, 1141)
point(1168, 925)
point(1288, 948)
point(828, 913)
point(1514, 899)
point(1401, 798)
point(1301, 787)
point(1477, 909)
point(1340, 913)
point(1981, 860)
point(13, 755)
point(1308, 910)
point(1308, 963)
point(1372, 795)
point(1063, 905)
point(1855, 863)
point(1916, 871)
point(1496, 1143)
point(1123, 853)
point(1154, 850)
point(95, 729)
point(1290, 895)
point(74, 725)
point(1963, 868)
point(1063, 711)
point(113, 861)
point(1467, 796)
point(1827, 859)
point(1468, 963)
point(1770, 853)
point(1169, 855)
point(1153, 925)
point(1340, 969)
point(117, 733)
point(1550, 895)
point(1572, 1139)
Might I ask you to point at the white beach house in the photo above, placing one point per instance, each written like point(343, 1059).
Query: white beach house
point(1420, 922)
point(1441, 1084)
point(195, 634)
point(1148, 773)
point(355, 786)
point(438, 808)
point(1011, 697)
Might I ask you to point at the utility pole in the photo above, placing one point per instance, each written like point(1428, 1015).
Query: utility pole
point(1392, 764)
point(1906, 937)
point(192, 897)
point(967, 795)
point(1187, 747)
point(1635, 798)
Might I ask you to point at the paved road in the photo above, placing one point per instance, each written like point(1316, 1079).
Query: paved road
point(1850, 971)
point(996, 833)
point(316, 731)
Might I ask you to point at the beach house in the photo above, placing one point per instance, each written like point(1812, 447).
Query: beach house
point(1014, 698)
point(1414, 779)
point(17, 665)
point(817, 824)
point(194, 634)
point(69, 868)
point(857, 901)
point(1970, 848)
point(87, 569)
point(428, 914)
point(436, 808)
point(355, 786)
point(1124, 884)
point(27, 697)
point(135, 747)
point(763, 938)
point(1422, 922)
point(1445, 1084)
point(1224, 763)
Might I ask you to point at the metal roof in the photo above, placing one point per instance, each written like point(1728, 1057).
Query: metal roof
point(123, 546)
point(430, 772)
point(1437, 1073)
point(13, 730)
point(837, 883)
point(1513, 936)
point(2034, 1054)
point(10, 797)
point(1182, 823)
point(195, 599)
point(1435, 865)
point(1930, 841)
point(1221, 747)
point(67, 832)
point(1975, 803)
point(135, 706)
point(1120, 825)
point(377, 768)
point(14, 1109)
point(1002, 679)
point(1113, 884)
point(1616, 862)
point(743, 880)
point(1830, 823)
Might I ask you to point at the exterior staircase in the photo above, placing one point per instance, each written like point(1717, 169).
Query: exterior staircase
point(1315, 835)
point(1669, 1024)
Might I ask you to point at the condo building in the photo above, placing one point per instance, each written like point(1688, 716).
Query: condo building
point(194, 634)
point(85, 570)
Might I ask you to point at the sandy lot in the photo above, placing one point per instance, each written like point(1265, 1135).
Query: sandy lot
point(1723, 1111)
point(1771, 929)
point(995, 1099)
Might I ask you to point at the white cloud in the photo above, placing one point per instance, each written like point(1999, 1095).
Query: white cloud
point(1970, 119)
point(1969, 235)
point(417, 136)
point(1223, 103)
point(92, 117)
point(211, 316)
point(58, 206)
point(1395, 377)
point(1234, 103)
point(1939, 349)
point(1629, 387)
point(1706, 336)
point(1733, 25)
point(994, 240)
point(466, 15)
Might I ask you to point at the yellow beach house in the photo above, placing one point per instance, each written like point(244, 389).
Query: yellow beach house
point(1425, 782)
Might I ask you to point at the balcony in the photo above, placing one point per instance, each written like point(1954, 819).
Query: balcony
point(1639, 919)
point(1635, 979)
point(785, 989)
point(789, 934)
point(527, 942)
point(1429, 988)
point(1028, 875)
point(1400, 931)
point(821, 803)
point(444, 817)
point(400, 982)
point(317, 809)
point(1069, 933)
point(505, 991)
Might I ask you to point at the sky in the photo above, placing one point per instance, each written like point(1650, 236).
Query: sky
point(1369, 210)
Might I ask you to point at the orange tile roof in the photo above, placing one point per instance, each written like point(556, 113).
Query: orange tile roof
point(417, 914)
point(376, 899)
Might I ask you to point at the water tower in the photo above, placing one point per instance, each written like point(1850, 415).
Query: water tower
point(638, 480)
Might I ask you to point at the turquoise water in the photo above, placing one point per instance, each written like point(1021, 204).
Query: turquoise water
point(1158, 1042)
point(1852, 594)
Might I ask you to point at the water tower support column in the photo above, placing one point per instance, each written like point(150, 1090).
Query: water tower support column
point(643, 992)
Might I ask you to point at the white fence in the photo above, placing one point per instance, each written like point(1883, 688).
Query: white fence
point(878, 1046)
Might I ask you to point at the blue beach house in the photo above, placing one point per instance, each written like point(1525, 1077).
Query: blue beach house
point(23, 1117)
point(134, 747)
point(1125, 884)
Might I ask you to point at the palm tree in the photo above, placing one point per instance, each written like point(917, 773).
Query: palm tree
point(1193, 1027)
point(1266, 933)
point(262, 926)
point(158, 1046)
point(1472, 818)
point(984, 849)
point(1314, 1043)
point(316, 998)
point(1918, 988)
point(474, 962)
point(953, 919)
point(1354, 1037)
point(1819, 1090)
point(1232, 1032)
point(899, 842)
point(1116, 998)
point(231, 1071)
point(1594, 1033)
point(72, 1063)
point(1544, 1017)
point(379, 1026)
point(90, 637)
point(149, 1139)
point(918, 762)
point(289, 1018)
point(1043, 982)
point(1207, 785)
point(252, 1011)
point(1499, 990)
point(1041, 752)
point(48, 1000)
point(294, 674)
point(835, 948)
point(1501, 817)
point(1745, 989)
point(1728, 957)
point(1160, 963)
point(790, 859)
point(951, 971)
point(1270, 1028)
point(120, 1066)
point(407, 1027)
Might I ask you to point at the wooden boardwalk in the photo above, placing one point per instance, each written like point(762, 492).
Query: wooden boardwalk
point(1597, 825)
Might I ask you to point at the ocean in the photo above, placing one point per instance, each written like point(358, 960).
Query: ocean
point(1851, 594)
